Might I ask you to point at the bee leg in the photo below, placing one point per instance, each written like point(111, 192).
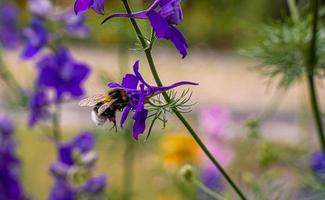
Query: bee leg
point(114, 126)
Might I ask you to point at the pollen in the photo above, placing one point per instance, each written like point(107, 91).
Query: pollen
point(107, 98)
point(123, 94)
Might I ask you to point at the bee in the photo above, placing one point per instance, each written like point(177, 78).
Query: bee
point(106, 105)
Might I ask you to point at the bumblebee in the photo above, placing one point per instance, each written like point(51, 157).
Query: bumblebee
point(106, 105)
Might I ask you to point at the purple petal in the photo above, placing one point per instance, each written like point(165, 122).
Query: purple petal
point(138, 75)
point(130, 81)
point(82, 5)
point(75, 24)
point(114, 85)
point(159, 24)
point(65, 153)
point(98, 6)
point(168, 32)
point(179, 41)
point(140, 116)
point(37, 37)
point(59, 170)
point(158, 90)
point(62, 191)
point(80, 72)
point(125, 114)
point(171, 11)
point(76, 91)
point(85, 142)
point(95, 185)
point(37, 106)
point(139, 123)
point(7, 126)
point(140, 105)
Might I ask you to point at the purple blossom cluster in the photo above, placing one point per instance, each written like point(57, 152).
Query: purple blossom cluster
point(72, 172)
point(57, 71)
point(10, 185)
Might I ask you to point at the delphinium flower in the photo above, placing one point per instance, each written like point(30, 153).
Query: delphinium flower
point(9, 33)
point(62, 73)
point(130, 95)
point(163, 21)
point(10, 185)
point(73, 171)
point(74, 24)
point(317, 163)
point(57, 70)
point(36, 36)
point(38, 102)
point(96, 5)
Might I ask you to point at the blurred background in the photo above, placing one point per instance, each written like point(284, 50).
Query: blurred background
point(263, 135)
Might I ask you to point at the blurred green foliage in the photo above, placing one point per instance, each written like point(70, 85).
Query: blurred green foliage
point(210, 23)
point(207, 23)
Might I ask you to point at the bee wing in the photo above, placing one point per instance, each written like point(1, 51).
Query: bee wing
point(91, 101)
point(103, 107)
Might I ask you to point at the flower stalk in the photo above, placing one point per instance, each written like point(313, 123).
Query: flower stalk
point(56, 123)
point(8, 78)
point(177, 113)
point(310, 67)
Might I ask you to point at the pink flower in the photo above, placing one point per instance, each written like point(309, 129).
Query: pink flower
point(213, 121)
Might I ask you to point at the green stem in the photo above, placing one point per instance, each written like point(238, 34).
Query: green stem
point(56, 123)
point(312, 62)
point(178, 114)
point(293, 10)
point(207, 190)
point(11, 82)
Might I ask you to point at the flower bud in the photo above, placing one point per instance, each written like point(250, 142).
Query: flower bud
point(186, 172)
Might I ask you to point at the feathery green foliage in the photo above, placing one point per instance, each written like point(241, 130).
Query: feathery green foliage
point(283, 51)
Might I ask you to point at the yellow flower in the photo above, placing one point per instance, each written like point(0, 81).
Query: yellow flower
point(178, 149)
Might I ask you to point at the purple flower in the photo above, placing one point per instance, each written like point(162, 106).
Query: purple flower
point(40, 8)
point(36, 38)
point(212, 179)
point(62, 191)
point(38, 103)
point(95, 185)
point(62, 73)
point(75, 24)
point(75, 158)
point(9, 33)
point(96, 5)
point(163, 21)
point(138, 91)
point(10, 186)
point(83, 143)
point(6, 126)
point(317, 163)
